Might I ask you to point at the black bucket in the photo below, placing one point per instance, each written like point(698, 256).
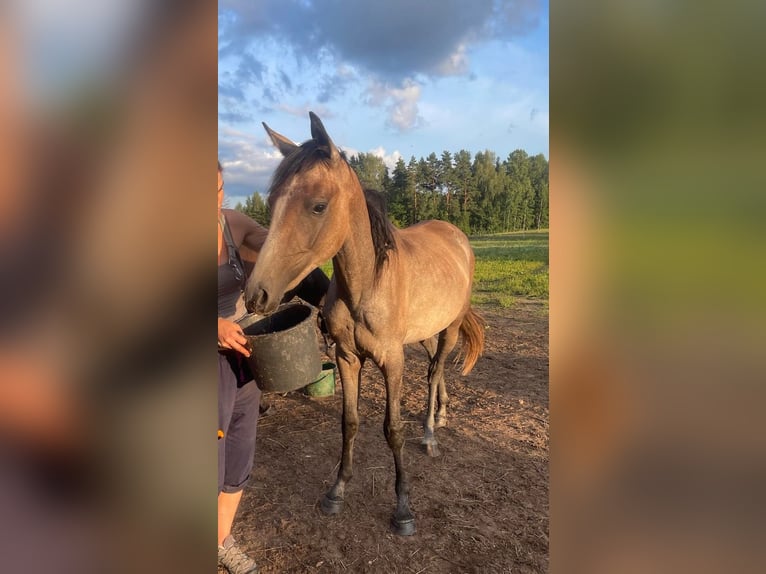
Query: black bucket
point(284, 351)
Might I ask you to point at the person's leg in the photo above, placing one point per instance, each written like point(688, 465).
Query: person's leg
point(238, 417)
point(240, 438)
point(240, 451)
point(230, 555)
point(227, 508)
point(227, 396)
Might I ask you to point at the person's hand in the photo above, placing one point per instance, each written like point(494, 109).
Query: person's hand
point(230, 336)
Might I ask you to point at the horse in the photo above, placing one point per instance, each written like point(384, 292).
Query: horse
point(389, 287)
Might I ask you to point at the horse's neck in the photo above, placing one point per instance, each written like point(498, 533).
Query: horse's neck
point(354, 264)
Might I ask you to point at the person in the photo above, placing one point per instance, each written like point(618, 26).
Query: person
point(238, 395)
point(239, 399)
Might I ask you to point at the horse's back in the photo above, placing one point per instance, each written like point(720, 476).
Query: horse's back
point(436, 264)
point(435, 237)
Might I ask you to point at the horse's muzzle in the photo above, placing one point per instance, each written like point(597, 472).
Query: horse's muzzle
point(261, 303)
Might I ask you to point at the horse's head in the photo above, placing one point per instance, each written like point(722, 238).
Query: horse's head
point(309, 200)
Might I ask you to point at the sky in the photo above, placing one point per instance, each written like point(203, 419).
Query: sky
point(397, 78)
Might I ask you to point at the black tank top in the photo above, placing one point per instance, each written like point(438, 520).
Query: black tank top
point(231, 280)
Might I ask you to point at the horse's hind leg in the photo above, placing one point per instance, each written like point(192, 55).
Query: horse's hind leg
point(441, 414)
point(436, 385)
point(430, 345)
point(428, 438)
point(350, 367)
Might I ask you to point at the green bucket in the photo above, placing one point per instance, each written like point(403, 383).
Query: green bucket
point(324, 386)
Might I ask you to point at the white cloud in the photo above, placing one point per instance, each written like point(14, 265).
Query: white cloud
point(345, 71)
point(389, 159)
point(393, 40)
point(455, 64)
point(248, 162)
point(401, 103)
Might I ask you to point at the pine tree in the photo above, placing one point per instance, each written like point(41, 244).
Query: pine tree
point(255, 208)
point(397, 194)
point(448, 186)
point(484, 217)
point(538, 174)
point(520, 189)
point(412, 190)
point(464, 186)
point(370, 169)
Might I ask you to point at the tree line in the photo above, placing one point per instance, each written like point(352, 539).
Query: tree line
point(479, 194)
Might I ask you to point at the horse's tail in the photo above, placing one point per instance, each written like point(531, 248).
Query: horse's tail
point(472, 330)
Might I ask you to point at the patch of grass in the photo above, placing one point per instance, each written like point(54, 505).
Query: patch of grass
point(327, 267)
point(510, 265)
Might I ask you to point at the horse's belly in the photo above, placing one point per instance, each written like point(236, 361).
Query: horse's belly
point(430, 321)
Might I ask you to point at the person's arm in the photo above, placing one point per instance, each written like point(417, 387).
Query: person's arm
point(248, 234)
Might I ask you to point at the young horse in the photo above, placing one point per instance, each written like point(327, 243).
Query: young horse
point(389, 287)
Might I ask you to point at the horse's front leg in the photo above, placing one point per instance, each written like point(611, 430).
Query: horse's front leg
point(403, 521)
point(350, 367)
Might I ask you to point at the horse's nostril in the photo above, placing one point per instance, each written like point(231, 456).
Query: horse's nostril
point(258, 301)
point(261, 300)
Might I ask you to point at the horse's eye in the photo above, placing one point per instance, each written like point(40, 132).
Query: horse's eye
point(319, 208)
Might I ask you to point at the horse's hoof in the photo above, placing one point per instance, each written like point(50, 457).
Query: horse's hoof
point(440, 422)
point(331, 505)
point(432, 449)
point(403, 527)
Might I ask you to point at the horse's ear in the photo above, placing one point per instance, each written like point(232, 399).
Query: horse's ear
point(320, 135)
point(284, 145)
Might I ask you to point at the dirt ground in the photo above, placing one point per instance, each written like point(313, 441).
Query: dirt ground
point(482, 506)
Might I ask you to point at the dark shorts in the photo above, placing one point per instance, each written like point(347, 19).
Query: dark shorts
point(238, 402)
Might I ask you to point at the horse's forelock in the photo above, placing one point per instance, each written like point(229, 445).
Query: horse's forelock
point(305, 157)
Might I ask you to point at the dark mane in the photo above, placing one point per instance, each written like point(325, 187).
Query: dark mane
point(382, 229)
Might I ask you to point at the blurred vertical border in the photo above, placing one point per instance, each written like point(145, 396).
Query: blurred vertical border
point(107, 128)
point(657, 286)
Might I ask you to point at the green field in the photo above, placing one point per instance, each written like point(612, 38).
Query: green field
point(508, 265)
